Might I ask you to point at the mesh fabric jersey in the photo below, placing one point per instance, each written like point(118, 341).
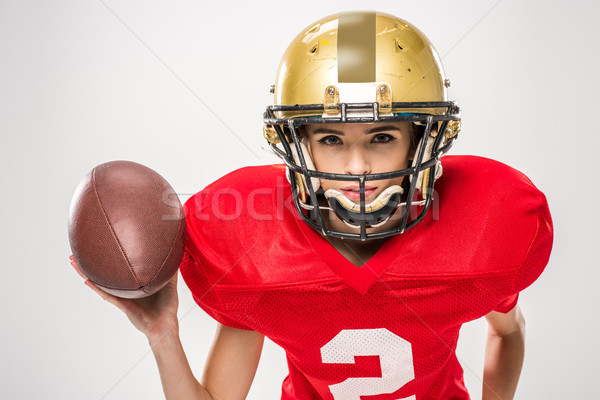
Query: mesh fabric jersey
point(386, 330)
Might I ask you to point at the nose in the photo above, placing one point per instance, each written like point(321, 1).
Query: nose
point(357, 161)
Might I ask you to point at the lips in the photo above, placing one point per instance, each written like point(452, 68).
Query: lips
point(353, 192)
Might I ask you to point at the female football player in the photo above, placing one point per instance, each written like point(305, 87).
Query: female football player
point(347, 255)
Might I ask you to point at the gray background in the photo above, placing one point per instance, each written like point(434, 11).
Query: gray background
point(181, 86)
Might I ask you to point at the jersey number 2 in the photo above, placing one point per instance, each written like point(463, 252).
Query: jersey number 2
point(395, 358)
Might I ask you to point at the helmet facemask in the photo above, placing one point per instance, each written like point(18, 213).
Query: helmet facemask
point(416, 195)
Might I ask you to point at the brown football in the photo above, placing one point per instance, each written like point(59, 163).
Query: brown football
point(126, 229)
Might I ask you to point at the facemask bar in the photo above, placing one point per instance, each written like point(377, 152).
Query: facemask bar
point(317, 222)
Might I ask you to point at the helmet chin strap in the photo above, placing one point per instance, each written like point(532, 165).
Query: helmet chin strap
point(376, 213)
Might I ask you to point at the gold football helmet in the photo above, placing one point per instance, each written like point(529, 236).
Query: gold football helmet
point(361, 67)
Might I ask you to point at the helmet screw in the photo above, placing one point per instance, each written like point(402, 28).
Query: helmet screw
point(272, 89)
point(383, 89)
point(447, 82)
point(331, 90)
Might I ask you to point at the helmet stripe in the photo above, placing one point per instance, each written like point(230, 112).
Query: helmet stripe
point(356, 47)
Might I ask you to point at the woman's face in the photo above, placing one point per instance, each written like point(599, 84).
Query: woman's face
point(360, 149)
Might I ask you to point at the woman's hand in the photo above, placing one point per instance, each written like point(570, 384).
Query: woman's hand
point(154, 315)
point(231, 364)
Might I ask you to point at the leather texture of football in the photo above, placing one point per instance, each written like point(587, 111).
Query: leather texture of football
point(126, 229)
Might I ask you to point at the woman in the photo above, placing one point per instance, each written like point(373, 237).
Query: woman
point(347, 256)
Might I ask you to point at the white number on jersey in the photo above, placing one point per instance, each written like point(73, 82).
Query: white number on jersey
point(395, 357)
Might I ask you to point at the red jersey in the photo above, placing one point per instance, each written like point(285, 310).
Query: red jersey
point(384, 331)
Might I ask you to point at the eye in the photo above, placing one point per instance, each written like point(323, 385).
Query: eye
point(330, 140)
point(383, 138)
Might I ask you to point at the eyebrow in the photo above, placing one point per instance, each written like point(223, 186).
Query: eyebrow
point(378, 129)
point(382, 129)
